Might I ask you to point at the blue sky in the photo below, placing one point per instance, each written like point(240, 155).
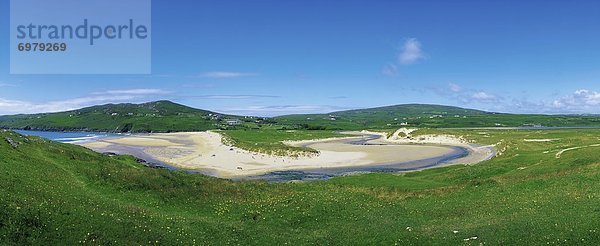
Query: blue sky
point(282, 57)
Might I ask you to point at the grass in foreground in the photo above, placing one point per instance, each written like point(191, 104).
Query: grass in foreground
point(62, 194)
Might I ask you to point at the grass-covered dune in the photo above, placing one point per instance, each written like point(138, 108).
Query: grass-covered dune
point(55, 193)
point(270, 141)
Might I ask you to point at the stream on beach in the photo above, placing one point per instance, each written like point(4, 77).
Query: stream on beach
point(327, 173)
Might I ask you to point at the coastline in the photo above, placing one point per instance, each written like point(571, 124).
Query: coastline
point(204, 152)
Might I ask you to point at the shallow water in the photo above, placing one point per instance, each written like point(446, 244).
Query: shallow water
point(327, 173)
point(69, 137)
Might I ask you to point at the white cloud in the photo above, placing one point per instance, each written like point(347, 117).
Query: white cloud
point(484, 96)
point(466, 96)
point(454, 87)
point(6, 85)
point(135, 92)
point(25, 107)
point(225, 75)
point(276, 110)
point(234, 96)
point(580, 101)
point(8, 106)
point(588, 97)
point(411, 52)
point(390, 70)
point(199, 85)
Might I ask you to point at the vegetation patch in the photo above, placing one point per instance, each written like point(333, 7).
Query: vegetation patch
point(270, 141)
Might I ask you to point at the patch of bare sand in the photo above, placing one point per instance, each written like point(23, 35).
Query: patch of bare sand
point(147, 141)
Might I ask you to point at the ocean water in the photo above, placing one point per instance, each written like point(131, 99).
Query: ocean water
point(69, 137)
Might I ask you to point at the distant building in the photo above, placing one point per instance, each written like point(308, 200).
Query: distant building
point(233, 122)
point(215, 116)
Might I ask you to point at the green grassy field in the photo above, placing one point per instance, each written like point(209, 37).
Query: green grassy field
point(384, 120)
point(63, 194)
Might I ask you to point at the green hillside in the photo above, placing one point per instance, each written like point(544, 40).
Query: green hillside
point(423, 115)
point(160, 116)
point(166, 116)
point(56, 193)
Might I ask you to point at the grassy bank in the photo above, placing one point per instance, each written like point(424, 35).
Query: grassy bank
point(63, 194)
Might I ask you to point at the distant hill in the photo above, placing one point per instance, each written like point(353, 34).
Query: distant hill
point(410, 110)
point(166, 116)
point(426, 115)
point(159, 116)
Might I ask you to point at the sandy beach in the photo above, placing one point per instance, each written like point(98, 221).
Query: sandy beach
point(205, 152)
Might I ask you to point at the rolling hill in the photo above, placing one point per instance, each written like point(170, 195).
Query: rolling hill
point(166, 116)
point(425, 115)
point(159, 116)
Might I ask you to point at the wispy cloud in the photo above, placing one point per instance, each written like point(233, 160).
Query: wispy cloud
point(234, 96)
point(483, 96)
point(199, 85)
point(6, 85)
point(11, 106)
point(465, 95)
point(390, 70)
point(275, 110)
point(454, 87)
point(580, 101)
point(135, 92)
point(226, 75)
point(583, 101)
point(411, 52)
point(338, 97)
point(21, 107)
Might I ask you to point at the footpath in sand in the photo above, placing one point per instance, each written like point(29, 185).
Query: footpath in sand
point(205, 152)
